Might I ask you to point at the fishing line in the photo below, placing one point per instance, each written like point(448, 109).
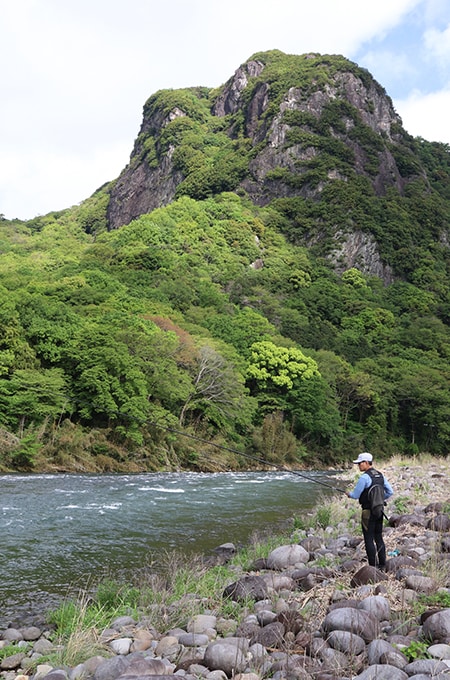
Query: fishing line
point(167, 428)
point(246, 455)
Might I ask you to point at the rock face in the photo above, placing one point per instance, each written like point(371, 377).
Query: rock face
point(296, 133)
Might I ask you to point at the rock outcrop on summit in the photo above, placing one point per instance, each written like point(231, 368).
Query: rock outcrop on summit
point(309, 127)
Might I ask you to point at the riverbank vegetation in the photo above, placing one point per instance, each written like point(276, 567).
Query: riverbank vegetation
point(157, 347)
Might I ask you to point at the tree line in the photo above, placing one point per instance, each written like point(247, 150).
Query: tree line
point(204, 318)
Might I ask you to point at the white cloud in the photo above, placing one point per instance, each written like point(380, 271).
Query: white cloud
point(397, 65)
point(426, 115)
point(79, 73)
point(438, 44)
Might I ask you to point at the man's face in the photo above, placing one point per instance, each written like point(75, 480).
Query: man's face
point(363, 465)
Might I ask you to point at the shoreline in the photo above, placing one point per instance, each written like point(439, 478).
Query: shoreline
point(319, 589)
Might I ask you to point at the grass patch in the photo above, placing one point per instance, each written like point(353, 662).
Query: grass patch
point(417, 649)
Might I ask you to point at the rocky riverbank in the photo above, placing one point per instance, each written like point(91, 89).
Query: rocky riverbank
point(311, 609)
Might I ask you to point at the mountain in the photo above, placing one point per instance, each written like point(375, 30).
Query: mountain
point(268, 277)
point(314, 136)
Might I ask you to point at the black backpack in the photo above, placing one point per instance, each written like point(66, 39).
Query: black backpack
point(375, 494)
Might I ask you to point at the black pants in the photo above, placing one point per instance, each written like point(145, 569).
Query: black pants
point(373, 539)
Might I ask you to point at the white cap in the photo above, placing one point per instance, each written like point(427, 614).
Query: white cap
point(367, 457)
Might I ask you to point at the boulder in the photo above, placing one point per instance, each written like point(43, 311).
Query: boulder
point(286, 556)
point(437, 626)
point(381, 672)
point(377, 605)
point(226, 656)
point(247, 588)
point(355, 621)
point(367, 574)
point(346, 642)
point(440, 522)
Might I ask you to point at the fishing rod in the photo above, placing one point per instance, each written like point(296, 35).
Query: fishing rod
point(167, 428)
point(245, 455)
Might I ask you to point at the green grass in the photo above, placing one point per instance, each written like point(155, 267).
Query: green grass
point(11, 649)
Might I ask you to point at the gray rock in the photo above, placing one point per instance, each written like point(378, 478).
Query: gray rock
point(271, 635)
point(316, 647)
point(133, 676)
point(122, 622)
point(265, 616)
point(259, 654)
point(9, 663)
point(440, 651)
point(42, 670)
point(311, 543)
point(31, 633)
point(376, 649)
point(367, 574)
point(439, 523)
point(377, 605)
point(346, 642)
point(248, 587)
point(395, 658)
point(198, 670)
point(193, 640)
point(216, 675)
point(292, 620)
point(427, 666)
point(12, 635)
point(56, 674)
point(412, 519)
point(121, 645)
point(381, 672)
point(437, 626)
point(111, 668)
point(335, 661)
point(140, 666)
point(201, 623)
point(43, 646)
point(168, 647)
point(78, 672)
point(91, 664)
point(352, 620)
point(279, 582)
point(421, 584)
point(400, 561)
point(224, 656)
point(286, 556)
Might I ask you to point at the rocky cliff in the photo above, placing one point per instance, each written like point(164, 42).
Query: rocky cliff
point(296, 132)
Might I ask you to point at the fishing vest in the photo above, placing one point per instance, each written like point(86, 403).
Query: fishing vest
point(377, 478)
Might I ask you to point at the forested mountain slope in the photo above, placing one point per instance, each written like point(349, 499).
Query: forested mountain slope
point(269, 273)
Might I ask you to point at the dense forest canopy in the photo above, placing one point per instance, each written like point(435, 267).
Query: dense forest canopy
point(228, 320)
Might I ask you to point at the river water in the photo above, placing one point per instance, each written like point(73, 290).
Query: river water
point(59, 532)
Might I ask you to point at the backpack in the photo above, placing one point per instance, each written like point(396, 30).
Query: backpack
point(375, 494)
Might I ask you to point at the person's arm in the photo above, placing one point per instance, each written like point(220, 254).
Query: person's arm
point(388, 490)
point(363, 482)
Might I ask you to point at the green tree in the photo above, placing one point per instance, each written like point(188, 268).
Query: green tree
point(108, 383)
point(32, 396)
point(275, 367)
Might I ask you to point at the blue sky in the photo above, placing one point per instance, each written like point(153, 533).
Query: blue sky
point(76, 73)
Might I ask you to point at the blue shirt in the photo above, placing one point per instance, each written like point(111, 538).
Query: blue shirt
point(364, 482)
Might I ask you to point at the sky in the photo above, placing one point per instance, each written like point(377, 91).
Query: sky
point(75, 74)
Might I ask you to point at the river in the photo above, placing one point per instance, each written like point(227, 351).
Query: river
point(59, 532)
